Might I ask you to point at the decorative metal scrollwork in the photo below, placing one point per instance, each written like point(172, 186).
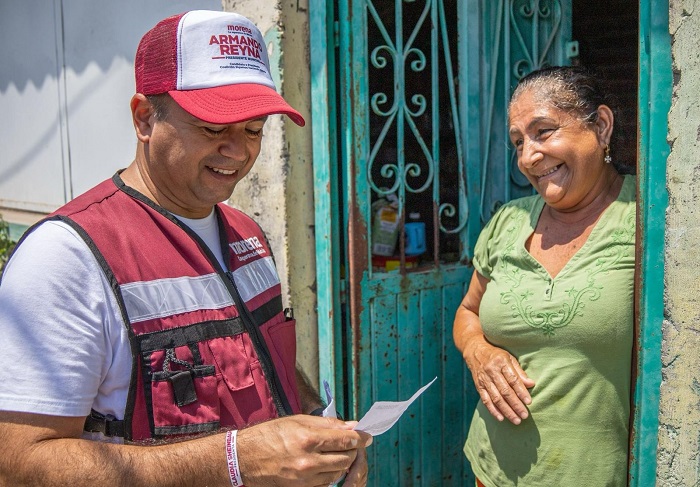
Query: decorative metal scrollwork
point(544, 17)
point(529, 30)
point(403, 113)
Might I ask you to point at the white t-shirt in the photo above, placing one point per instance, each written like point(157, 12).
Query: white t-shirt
point(65, 348)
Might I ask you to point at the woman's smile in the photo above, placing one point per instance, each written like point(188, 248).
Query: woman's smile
point(548, 172)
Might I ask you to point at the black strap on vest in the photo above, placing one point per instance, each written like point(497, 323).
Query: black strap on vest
point(108, 425)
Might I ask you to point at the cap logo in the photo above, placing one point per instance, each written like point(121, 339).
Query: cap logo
point(236, 45)
point(214, 64)
point(240, 28)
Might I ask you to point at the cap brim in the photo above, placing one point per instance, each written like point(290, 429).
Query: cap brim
point(234, 103)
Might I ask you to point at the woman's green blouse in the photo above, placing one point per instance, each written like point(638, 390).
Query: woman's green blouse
point(573, 335)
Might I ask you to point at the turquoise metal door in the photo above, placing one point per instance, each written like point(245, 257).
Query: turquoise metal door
point(403, 137)
point(409, 105)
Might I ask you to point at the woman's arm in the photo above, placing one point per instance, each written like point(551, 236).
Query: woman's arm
point(501, 382)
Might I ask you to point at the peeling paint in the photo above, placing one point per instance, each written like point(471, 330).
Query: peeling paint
point(678, 458)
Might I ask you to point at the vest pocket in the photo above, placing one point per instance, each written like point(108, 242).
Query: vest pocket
point(232, 361)
point(184, 396)
point(281, 340)
point(201, 377)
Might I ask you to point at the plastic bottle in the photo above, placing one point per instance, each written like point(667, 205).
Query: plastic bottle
point(415, 235)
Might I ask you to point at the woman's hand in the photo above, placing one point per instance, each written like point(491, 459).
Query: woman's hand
point(501, 382)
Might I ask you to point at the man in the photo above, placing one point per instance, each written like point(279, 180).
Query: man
point(146, 312)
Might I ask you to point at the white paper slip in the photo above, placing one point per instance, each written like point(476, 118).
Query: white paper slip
point(329, 412)
point(384, 414)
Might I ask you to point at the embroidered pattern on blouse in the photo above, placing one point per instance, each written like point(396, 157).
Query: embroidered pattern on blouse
point(549, 321)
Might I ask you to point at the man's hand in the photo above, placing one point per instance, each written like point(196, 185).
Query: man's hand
point(302, 451)
point(357, 475)
point(293, 451)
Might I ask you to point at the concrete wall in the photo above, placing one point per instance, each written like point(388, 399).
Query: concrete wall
point(679, 418)
point(300, 186)
point(278, 192)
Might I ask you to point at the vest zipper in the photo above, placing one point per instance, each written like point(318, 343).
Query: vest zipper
point(280, 400)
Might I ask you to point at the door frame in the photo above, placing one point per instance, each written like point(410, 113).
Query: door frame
point(654, 102)
point(322, 40)
point(654, 99)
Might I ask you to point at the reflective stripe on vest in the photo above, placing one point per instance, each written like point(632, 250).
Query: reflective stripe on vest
point(146, 300)
point(199, 362)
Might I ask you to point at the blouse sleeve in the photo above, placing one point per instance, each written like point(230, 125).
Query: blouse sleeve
point(481, 259)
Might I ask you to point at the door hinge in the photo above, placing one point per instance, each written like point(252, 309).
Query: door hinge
point(571, 48)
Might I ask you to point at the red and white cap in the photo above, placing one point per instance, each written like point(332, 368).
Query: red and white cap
point(213, 64)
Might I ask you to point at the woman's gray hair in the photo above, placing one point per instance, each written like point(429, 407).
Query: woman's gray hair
point(575, 90)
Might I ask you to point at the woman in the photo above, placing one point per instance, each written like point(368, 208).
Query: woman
point(546, 325)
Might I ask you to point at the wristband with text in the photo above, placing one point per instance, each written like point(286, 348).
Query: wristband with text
point(234, 471)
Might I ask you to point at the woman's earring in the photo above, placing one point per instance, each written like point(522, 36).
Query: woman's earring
point(608, 159)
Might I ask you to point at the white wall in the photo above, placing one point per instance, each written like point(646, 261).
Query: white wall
point(66, 78)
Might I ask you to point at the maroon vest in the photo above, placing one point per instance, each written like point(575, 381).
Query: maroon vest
point(211, 348)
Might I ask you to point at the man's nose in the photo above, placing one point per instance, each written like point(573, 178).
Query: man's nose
point(234, 146)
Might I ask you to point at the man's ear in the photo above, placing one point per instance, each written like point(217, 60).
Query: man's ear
point(605, 124)
point(142, 116)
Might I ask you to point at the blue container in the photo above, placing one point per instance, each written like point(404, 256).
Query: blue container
point(415, 238)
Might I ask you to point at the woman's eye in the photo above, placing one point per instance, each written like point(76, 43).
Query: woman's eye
point(254, 133)
point(542, 132)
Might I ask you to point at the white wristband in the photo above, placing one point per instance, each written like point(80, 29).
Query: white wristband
point(234, 471)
